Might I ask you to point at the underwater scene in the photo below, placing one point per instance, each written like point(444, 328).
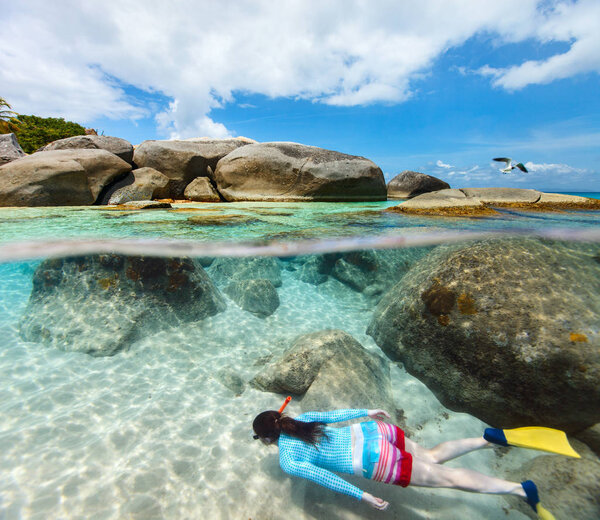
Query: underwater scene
point(139, 346)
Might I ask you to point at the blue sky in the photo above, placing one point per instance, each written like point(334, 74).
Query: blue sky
point(439, 86)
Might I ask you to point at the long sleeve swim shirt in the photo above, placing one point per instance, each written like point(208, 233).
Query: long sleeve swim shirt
point(333, 453)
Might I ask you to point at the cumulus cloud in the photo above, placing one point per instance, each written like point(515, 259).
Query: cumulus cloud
point(441, 164)
point(79, 59)
point(554, 168)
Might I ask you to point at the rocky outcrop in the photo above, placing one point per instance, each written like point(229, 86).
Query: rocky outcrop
point(226, 270)
point(183, 161)
point(100, 304)
point(331, 370)
point(147, 184)
point(410, 184)
point(59, 178)
point(569, 488)
point(145, 204)
point(201, 190)
point(10, 149)
point(467, 202)
point(507, 330)
point(591, 437)
point(256, 296)
point(295, 172)
point(120, 147)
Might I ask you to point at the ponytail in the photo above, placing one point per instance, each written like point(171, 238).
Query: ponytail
point(271, 424)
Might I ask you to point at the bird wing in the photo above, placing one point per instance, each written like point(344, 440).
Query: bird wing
point(521, 167)
point(507, 160)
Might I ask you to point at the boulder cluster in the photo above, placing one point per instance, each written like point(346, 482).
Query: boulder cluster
point(92, 169)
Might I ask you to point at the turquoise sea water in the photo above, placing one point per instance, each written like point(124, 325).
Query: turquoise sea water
point(162, 427)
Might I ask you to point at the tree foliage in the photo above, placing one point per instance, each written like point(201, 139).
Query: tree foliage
point(7, 118)
point(34, 132)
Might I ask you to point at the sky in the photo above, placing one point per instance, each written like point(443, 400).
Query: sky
point(436, 86)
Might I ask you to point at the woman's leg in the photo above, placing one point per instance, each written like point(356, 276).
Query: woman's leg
point(446, 450)
point(426, 474)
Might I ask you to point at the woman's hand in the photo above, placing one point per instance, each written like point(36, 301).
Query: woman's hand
point(378, 414)
point(374, 502)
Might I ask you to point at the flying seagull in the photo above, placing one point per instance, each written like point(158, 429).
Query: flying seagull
point(509, 167)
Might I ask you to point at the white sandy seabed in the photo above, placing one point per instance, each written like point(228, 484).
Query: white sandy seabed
point(151, 433)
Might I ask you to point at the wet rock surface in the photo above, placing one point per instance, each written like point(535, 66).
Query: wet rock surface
point(330, 369)
point(99, 304)
point(256, 296)
point(120, 147)
point(296, 172)
point(507, 330)
point(59, 177)
point(410, 184)
point(226, 270)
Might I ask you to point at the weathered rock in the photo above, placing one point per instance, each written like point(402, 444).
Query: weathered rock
point(507, 330)
point(410, 184)
point(256, 296)
point(231, 380)
point(147, 184)
point(332, 370)
point(227, 270)
point(145, 204)
point(569, 488)
point(502, 195)
point(591, 437)
point(201, 190)
point(59, 177)
point(183, 161)
point(100, 304)
point(295, 172)
point(10, 149)
point(315, 269)
point(116, 145)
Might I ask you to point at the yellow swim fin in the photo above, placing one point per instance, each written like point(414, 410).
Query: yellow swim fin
point(544, 514)
point(535, 437)
point(533, 499)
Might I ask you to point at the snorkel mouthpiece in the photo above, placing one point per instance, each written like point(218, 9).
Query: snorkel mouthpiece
point(285, 403)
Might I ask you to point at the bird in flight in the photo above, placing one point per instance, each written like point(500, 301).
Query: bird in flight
point(509, 166)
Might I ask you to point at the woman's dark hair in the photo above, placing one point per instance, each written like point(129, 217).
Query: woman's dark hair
point(270, 424)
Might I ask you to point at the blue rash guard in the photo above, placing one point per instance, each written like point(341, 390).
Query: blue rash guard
point(334, 452)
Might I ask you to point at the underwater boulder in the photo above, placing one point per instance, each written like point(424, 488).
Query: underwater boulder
point(507, 330)
point(569, 488)
point(256, 296)
point(226, 270)
point(331, 370)
point(183, 161)
point(99, 304)
point(283, 171)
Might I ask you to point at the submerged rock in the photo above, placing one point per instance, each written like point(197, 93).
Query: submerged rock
point(410, 184)
point(256, 296)
point(10, 149)
point(569, 488)
point(120, 147)
point(99, 304)
point(226, 270)
point(59, 178)
point(331, 370)
point(296, 172)
point(507, 330)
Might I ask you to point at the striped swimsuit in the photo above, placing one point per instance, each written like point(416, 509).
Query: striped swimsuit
point(372, 449)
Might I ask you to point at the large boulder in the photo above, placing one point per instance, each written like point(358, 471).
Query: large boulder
point(59, 178)
point(100, 304)
point(410, 184)
point(223, 271)
point(569, 488)
point(183, 161)
point(331, 370)
point(116, 145)
point(201, 190)
point(295, 172)
point(507, 330)
point(10, 149)
point(256, 296)
point(146, 184)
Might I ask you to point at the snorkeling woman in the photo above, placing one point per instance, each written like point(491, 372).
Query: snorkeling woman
point(310, 449)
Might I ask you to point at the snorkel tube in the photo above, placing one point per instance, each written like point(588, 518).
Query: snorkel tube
point(285, 403)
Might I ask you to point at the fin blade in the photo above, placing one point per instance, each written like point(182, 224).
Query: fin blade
point(540, 438)
point(544, 514)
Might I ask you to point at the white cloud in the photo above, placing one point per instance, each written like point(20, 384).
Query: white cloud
point(61, 58)
point(440, 164)
point(554, 168)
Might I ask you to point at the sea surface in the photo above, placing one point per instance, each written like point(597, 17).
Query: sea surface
point(162, 427)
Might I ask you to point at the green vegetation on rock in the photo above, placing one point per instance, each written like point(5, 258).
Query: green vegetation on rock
point(34, 132)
